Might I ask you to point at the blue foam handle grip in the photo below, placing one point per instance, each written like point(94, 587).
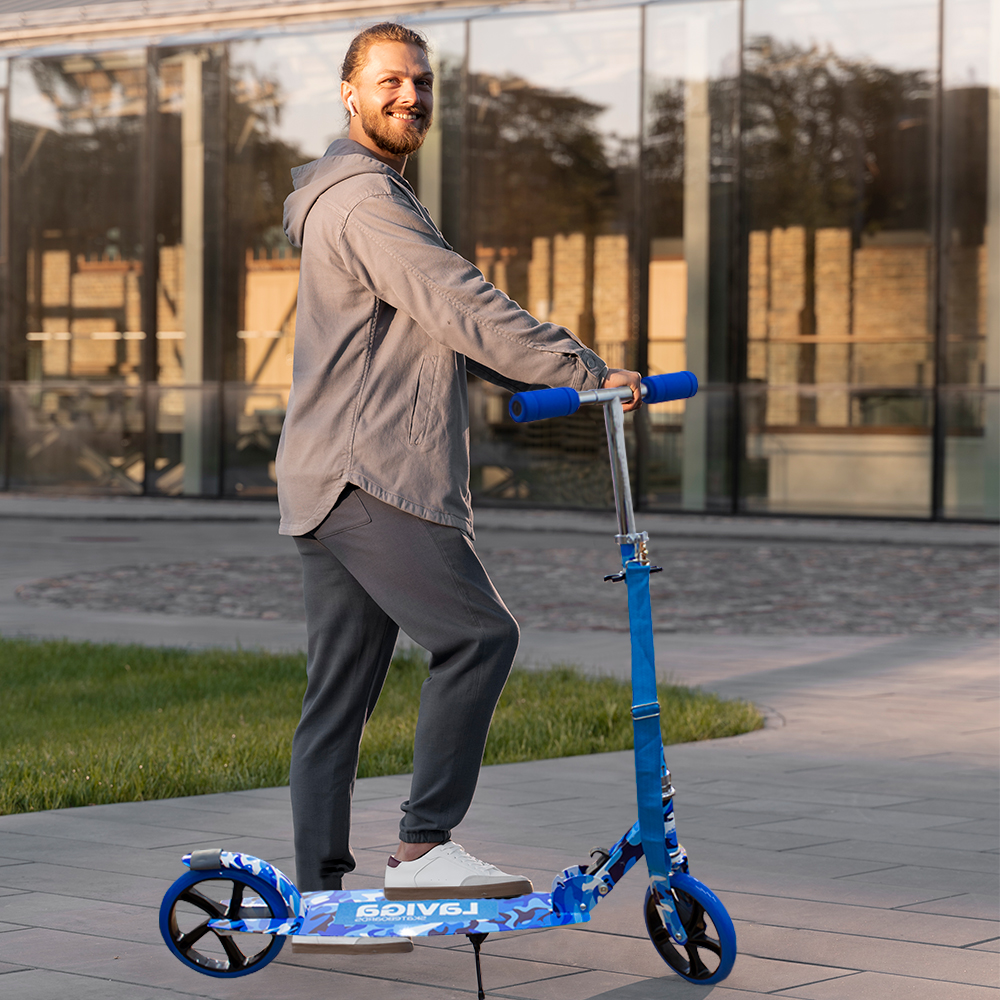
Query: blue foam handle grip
point(544, 403)
point(676, 385)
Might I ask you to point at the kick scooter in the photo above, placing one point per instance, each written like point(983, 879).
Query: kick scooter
point(230, 913)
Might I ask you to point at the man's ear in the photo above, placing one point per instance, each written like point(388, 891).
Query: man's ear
point(348, 98)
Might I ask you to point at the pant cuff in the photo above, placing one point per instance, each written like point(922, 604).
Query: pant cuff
point(424, 836)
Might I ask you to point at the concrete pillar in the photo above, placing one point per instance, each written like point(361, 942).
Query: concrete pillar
point(697, 151)
point(193, 238)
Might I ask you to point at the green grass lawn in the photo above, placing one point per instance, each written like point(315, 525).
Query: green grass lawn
point(83, 724)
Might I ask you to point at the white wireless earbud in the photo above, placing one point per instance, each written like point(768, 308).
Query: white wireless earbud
point(351, 106)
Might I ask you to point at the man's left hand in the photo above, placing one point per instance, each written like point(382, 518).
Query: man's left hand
point(622, 376)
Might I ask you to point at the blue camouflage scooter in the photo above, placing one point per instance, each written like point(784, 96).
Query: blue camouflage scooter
point(230, 913)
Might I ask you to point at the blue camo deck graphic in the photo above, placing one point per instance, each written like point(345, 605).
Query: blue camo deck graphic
point(370, 914)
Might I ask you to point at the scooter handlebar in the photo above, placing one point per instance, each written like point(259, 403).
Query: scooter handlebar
point(562, 401)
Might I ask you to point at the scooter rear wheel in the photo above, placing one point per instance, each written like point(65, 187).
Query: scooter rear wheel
point(708, 955)
point(199, 896)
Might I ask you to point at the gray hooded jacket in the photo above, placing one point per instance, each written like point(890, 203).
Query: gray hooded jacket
point(387, 315)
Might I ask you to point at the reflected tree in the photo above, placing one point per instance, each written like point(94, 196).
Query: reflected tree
point(260, 162)
point(834, 142)
point(541, 166)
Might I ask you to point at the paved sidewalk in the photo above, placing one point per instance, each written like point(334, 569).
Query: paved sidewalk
point(854, 841)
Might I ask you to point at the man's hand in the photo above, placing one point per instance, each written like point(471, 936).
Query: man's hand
point(621, 376)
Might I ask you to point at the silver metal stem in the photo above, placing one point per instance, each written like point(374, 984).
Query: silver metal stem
point(622, 392)
point(614, 422)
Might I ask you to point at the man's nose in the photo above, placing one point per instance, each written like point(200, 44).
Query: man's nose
point(408, 92)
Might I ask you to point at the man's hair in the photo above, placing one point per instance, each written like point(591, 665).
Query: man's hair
point(387, 31)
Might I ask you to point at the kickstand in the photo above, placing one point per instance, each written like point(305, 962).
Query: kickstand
point(477, 940)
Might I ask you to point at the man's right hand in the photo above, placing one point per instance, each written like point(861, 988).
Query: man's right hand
point(624, 377)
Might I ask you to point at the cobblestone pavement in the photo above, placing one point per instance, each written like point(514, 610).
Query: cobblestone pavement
point(729, 588)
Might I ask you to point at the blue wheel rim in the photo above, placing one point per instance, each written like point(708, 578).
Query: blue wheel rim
point(694, 902)
point(183, 942)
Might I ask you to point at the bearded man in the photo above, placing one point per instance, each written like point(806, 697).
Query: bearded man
point(373, 480)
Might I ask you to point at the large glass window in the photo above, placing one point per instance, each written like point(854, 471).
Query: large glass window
point(690, 159)
point(798, 202)
point(970, 255)
point(75, 269)
point(838, 155)
point(552, 137)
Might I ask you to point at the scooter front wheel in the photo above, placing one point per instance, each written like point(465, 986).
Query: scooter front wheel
point(199, 896)
point(708, 955)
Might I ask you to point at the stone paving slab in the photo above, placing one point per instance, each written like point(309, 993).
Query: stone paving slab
point(40, 984)
point(975, 904)
point(870, 984)
point(871, 922)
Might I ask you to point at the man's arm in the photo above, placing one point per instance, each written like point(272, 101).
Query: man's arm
point(391, 250)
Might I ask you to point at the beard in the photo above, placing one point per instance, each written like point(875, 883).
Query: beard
point(390, 139)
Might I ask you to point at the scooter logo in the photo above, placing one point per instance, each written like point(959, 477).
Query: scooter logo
point(416, 911)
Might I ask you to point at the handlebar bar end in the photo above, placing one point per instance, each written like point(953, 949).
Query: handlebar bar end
point(677, 385)
point(544, 403)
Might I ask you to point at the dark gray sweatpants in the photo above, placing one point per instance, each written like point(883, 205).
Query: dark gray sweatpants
point(368, 570)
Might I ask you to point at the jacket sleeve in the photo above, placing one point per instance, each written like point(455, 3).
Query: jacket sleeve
point(388, 246)
point(488, 375)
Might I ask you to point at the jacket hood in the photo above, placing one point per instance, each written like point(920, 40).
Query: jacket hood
point(343, 160)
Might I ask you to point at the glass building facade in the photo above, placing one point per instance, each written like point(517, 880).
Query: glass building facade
point(799, 202)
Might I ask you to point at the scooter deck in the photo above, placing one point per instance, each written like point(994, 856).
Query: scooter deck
point(367, 913)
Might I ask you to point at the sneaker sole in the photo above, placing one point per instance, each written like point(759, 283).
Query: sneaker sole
point(504, 890)
point(365, 946)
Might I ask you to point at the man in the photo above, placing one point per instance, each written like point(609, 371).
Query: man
point(373, 477)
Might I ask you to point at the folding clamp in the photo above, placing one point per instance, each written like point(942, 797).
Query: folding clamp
point(648, 711)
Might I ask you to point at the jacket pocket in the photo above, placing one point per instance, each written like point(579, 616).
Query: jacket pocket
point(423, 411)
point(349, 513)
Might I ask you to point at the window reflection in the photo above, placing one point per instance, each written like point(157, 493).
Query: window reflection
point(284, 97)
point(75, 133)
point(553, 125)
point(838, 114)
point(690, 157)
point(75, 271)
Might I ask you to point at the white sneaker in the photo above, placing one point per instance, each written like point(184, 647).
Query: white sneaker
point(319, 944)
point(446, 871)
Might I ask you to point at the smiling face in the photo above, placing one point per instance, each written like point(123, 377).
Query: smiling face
point(394, 99)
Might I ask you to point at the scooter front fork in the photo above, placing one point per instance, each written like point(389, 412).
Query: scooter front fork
point(582, 887)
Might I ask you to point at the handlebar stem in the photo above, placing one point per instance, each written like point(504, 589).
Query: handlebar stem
point(614, 422)
point(622, 392)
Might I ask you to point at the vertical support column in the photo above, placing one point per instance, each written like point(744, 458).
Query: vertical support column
point(639, 260)
point(6, 292)
point(991, 430)
point(149, 282)
point(697, 147)
point(429, 181)
point(193, 238)
point(939, 259)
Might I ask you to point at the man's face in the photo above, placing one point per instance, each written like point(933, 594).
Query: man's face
point(394, 96)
